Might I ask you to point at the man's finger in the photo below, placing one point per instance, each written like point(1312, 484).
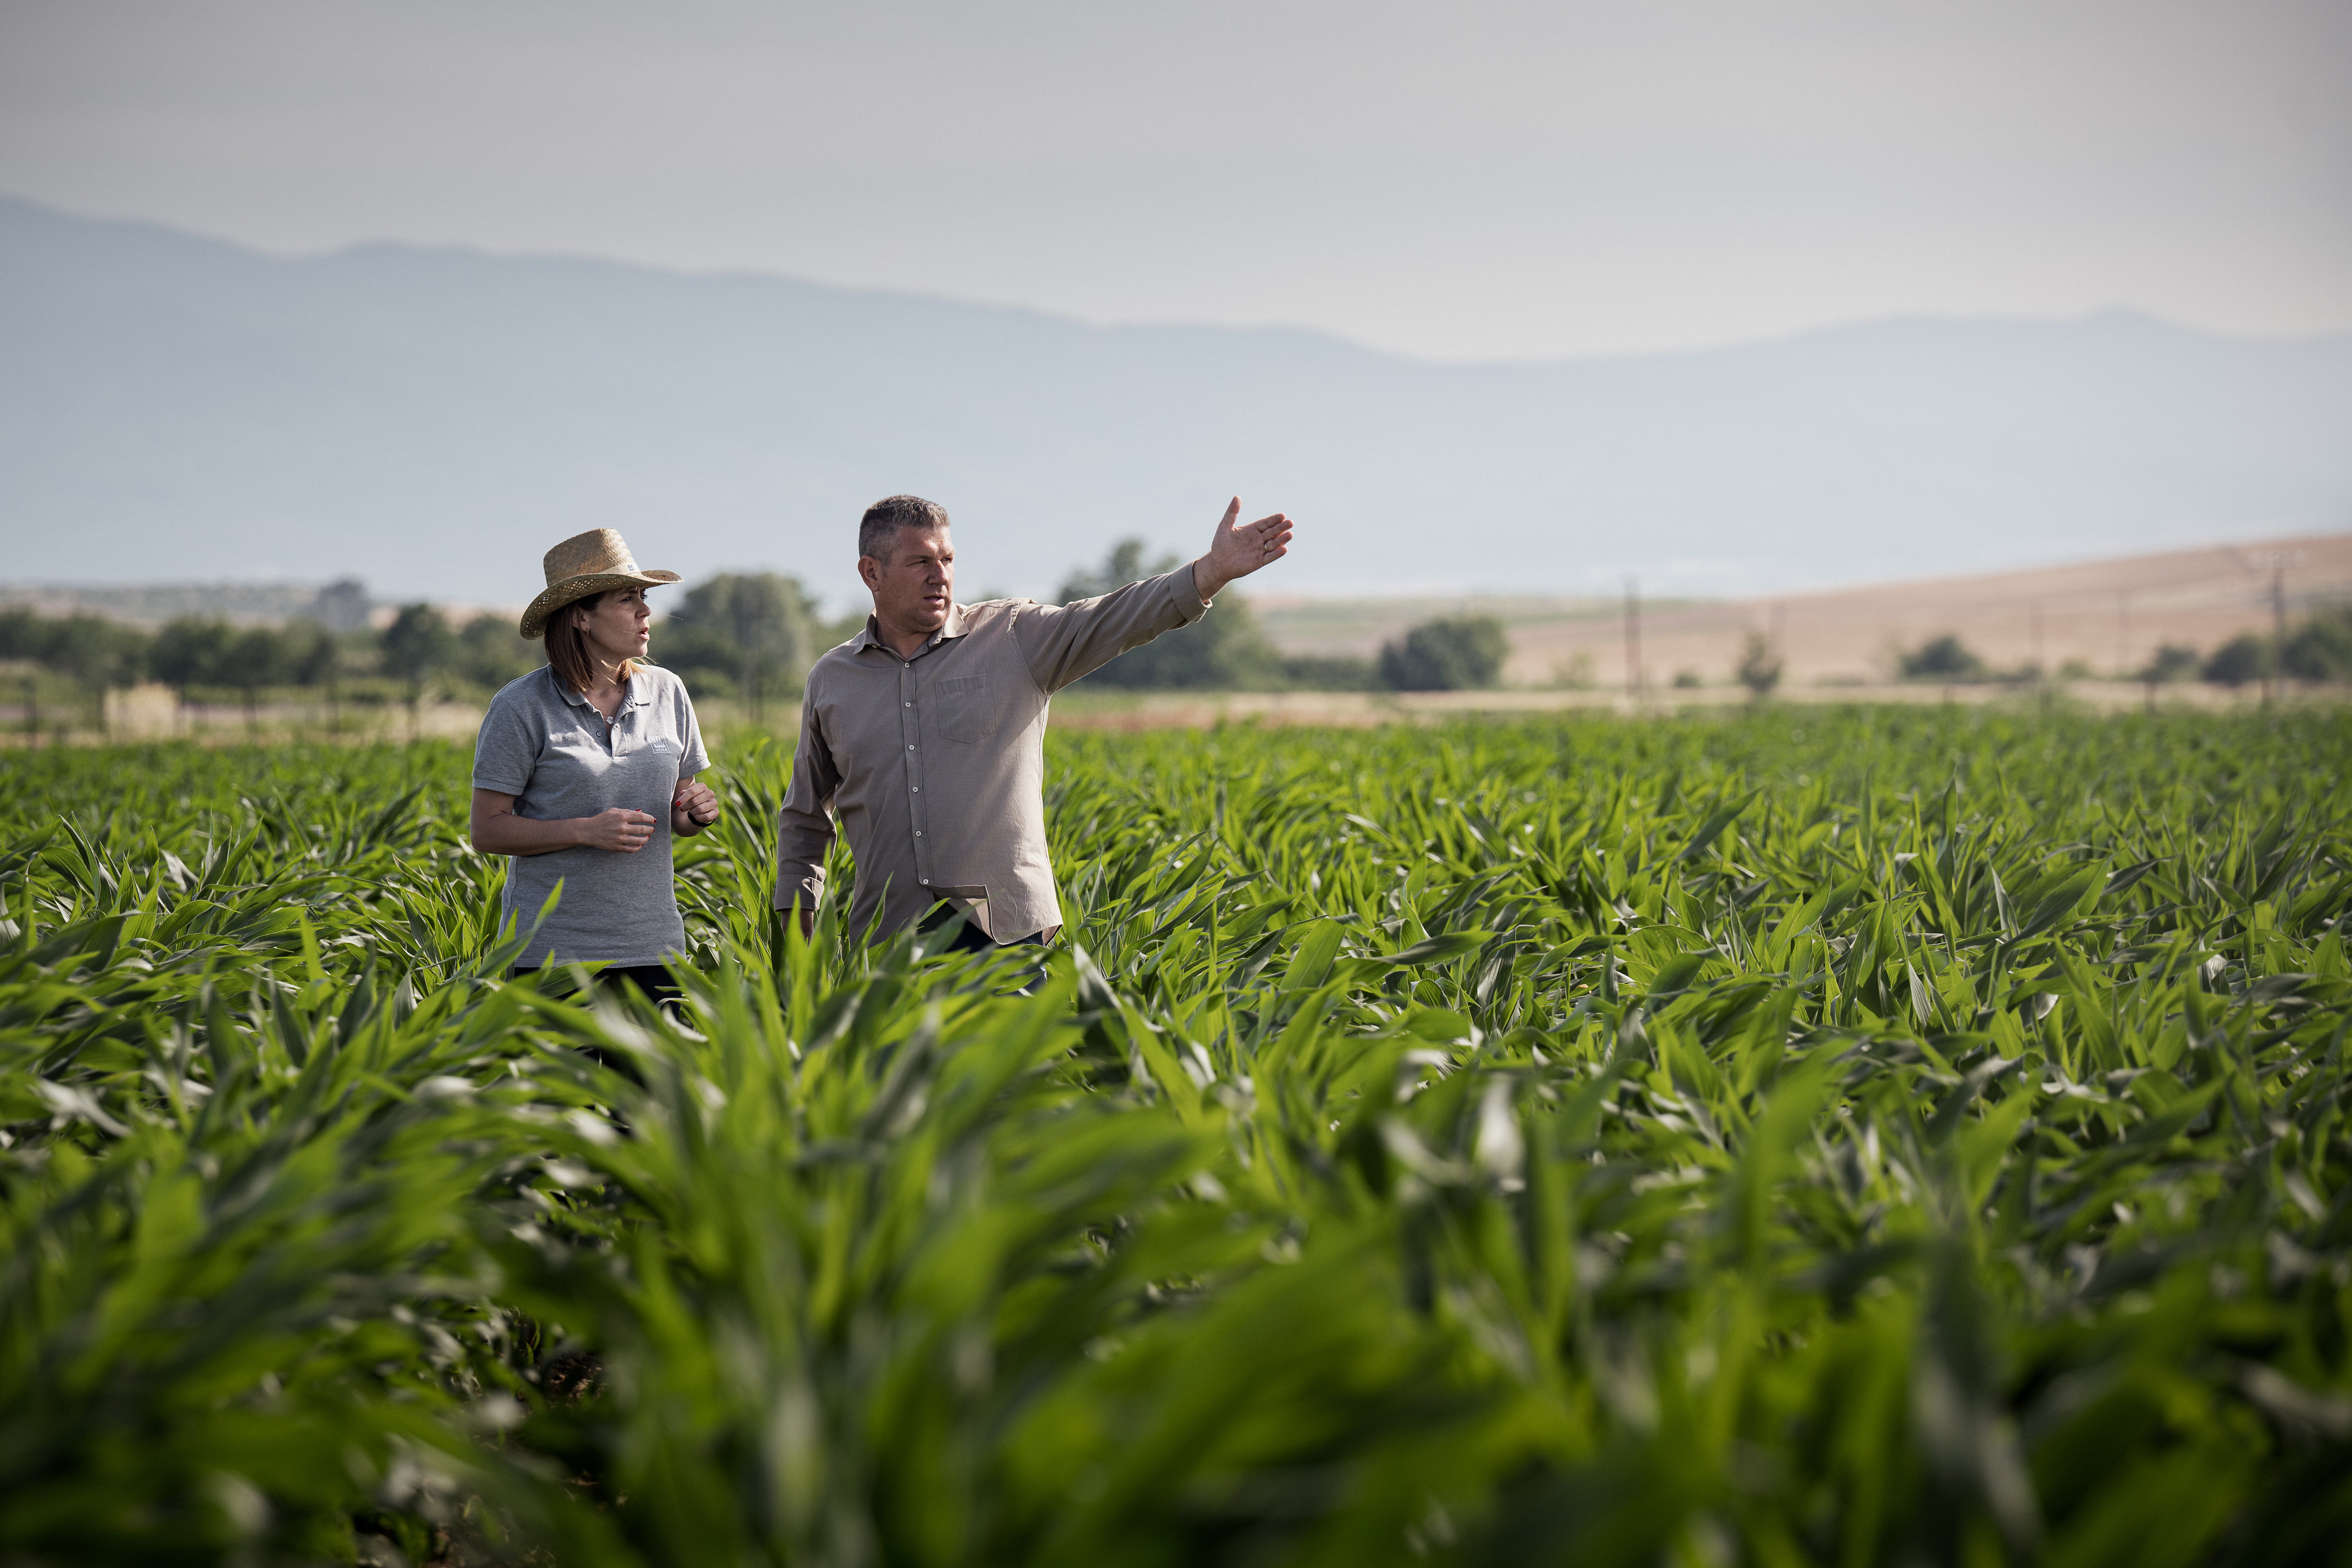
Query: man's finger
point(1233, 510)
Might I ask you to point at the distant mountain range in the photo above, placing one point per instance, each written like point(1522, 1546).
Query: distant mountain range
point(430, 420)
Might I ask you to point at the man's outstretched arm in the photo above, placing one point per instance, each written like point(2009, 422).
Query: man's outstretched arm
point(1063, 642)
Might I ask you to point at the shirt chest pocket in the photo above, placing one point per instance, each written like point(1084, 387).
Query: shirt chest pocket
point(964, 708)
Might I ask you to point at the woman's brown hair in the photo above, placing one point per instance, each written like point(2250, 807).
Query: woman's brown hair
point(567, 646)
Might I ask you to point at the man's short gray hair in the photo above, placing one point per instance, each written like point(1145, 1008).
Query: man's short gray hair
point(877, 531)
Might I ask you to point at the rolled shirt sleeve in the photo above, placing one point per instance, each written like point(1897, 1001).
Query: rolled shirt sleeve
point(508, 746)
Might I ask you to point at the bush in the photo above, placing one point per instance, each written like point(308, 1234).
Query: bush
point(2321, 648)
point(2172, 662)
point(1945, 658)
point(2244, 657)
point(1458, 653)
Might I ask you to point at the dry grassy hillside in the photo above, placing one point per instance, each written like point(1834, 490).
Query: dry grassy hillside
point(2108, 616)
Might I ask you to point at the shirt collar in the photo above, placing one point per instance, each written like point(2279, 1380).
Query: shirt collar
point(633, 695)
point(872, 636)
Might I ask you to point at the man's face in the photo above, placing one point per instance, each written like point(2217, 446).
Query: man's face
point(913, 589)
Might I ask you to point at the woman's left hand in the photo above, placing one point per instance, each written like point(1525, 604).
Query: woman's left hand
point(693, 808)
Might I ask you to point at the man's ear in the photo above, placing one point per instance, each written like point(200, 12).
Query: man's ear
point(869, 570)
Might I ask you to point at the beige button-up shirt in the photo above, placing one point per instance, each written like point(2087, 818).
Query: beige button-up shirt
point(935, 765)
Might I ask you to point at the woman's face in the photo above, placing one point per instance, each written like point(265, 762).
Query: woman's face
point(618, 624)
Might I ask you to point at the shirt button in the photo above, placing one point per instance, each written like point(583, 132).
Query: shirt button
point(918, 789)
point(907, 705)
point(925, 880)
point(918, 833)
point(910, 746)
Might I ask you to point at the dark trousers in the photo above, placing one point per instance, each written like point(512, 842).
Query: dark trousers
point(652, 980)
point(969, 937)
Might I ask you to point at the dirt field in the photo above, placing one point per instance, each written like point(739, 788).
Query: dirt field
point(2110, 616)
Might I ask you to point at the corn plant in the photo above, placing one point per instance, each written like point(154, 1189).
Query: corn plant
point(1784, 1137)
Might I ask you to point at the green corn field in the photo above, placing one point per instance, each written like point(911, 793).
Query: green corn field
point(1841, 1138)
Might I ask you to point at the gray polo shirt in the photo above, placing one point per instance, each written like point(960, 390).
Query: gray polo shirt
point(546, 745)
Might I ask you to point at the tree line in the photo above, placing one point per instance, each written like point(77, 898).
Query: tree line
point(208, 657)
point(748, 637)
point(2318, 649)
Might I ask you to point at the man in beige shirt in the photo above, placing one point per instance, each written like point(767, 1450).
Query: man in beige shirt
point(924, 735)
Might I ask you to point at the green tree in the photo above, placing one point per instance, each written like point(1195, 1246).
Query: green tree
point(20, 634)
point(1224, 650)
point(191, 651)
point(749, 634)
point(91, 653)
point(1760, 665)
point(255, 659)
point(490, 652)
point(94, 652)
point(1453, 653)
point(417, 645)
point(312, 655)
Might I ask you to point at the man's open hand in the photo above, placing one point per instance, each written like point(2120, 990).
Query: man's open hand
point(1239, 549)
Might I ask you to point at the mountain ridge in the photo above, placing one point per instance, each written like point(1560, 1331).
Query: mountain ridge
point(431, 419)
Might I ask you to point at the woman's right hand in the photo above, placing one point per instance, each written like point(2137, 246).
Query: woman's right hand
point(617, 828)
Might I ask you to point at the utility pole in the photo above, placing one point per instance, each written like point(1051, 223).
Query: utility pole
point(2278, 560)
point(1633, 638)
point(2270, 671)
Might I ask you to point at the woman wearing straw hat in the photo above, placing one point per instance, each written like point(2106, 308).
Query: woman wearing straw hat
point(584, 769)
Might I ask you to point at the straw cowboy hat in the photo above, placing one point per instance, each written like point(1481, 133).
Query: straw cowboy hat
point(584, 564)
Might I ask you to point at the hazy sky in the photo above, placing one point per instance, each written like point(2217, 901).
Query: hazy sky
point(1461, 180)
